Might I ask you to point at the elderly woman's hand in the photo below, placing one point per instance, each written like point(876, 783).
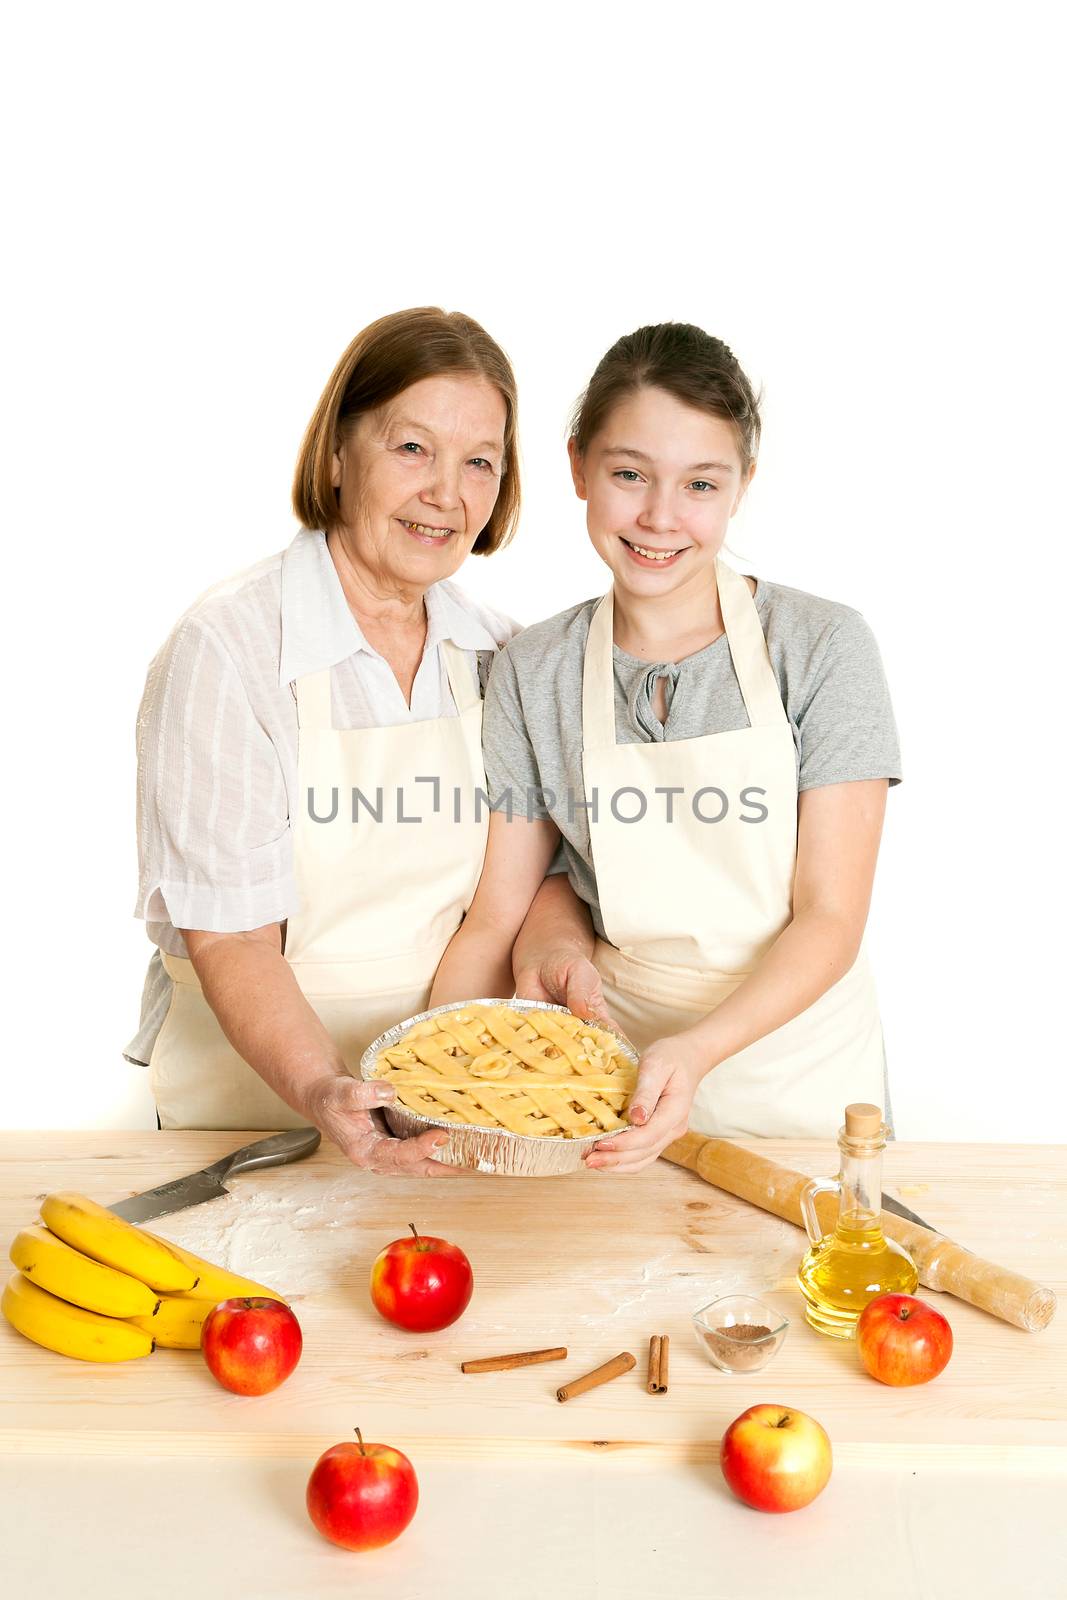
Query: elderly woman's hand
point(340, 1106)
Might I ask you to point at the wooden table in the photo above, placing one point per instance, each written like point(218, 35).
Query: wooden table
point(615, 1492)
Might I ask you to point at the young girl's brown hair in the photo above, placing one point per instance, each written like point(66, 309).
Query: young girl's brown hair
point(693, 366)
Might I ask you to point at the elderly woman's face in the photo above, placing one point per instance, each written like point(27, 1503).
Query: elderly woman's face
point(418, 479)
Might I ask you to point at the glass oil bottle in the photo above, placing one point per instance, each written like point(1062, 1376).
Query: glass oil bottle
point(845, 1269)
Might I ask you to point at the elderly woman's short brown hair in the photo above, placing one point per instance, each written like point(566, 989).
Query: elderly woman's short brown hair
point(387, 357)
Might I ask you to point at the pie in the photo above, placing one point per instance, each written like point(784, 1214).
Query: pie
point(543, 1073)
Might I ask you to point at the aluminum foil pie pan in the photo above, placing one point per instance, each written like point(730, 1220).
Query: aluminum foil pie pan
point(516, 1155)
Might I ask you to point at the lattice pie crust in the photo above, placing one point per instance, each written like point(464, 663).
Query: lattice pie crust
point(543, 1073)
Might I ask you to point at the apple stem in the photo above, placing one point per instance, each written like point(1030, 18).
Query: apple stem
point(904, 1313)
point(783, 1422)
point(414, 1230)
point(359, 1436)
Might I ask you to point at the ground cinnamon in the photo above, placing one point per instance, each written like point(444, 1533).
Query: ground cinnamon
point(729, 1343)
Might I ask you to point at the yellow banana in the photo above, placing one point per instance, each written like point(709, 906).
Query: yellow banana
point(66, 1272)
point(68, 1329)
point(215, 1283)
point(116, 1242)
point(177, 1323)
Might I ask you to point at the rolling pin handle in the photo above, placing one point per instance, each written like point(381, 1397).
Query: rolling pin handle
point(807, 1204)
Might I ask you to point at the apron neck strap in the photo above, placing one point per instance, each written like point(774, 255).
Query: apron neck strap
point(748, 652)
point(598, 678)
point(462, 682)
point(313, 701)
point(313, 691)
point(748, 649)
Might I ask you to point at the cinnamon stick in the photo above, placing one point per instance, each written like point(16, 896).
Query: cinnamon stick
point(525, 1358)
point(614, 1368)
point(653, 1362)
point(658, 1356)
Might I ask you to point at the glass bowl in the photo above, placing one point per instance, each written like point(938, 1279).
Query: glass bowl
point(739, 1333)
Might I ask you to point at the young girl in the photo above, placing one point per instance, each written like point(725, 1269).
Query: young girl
point(713, 752)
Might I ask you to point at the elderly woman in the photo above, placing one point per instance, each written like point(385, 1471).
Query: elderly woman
point(309, 753)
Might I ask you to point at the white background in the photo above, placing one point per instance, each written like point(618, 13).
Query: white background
point(209, 201)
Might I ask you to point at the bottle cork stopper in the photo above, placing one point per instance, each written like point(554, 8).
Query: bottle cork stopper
point(863, 1121)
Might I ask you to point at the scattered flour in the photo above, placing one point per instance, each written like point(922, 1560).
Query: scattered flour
point(289, 1232)
point(299, 1234)
point(678, 1288)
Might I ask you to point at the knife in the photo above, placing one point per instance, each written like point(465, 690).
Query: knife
point(208, 1184)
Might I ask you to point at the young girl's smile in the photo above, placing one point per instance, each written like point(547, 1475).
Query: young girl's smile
point(661, 480)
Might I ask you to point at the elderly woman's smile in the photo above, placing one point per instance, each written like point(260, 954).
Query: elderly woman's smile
point(425, 534)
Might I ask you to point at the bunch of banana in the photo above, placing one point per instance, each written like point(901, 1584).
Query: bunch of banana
point(93, 1286)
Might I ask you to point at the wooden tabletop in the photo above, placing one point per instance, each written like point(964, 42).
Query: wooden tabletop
point(593, 1262)
point(147, 1478)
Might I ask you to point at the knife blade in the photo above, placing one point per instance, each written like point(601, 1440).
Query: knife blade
point(208, 1184)
point(899, 1209)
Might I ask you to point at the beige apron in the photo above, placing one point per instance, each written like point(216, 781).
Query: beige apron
point(690, 906)
point(379, 900)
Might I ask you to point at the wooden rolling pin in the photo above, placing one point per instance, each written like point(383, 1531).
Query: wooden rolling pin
point(941, 1264)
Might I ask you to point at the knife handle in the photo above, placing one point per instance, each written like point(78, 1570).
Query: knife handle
point(276, 1151)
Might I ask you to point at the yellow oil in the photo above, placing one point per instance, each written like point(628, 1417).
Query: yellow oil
point(848, 1268)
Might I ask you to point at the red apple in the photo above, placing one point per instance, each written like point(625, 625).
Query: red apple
point(361, 1495)
point(903, 1340)
point(421, 1283)
point(251, 1345)
point(775, 1458)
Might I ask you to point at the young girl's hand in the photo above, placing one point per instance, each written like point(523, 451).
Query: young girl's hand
point(667, 1080)
point(565, 979)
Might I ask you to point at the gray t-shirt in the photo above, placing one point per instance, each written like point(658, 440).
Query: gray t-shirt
point(825, 661)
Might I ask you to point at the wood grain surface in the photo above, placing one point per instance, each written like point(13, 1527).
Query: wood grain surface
point(594, 1262)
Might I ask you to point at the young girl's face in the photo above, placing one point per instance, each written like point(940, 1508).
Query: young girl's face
point(661, 481)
